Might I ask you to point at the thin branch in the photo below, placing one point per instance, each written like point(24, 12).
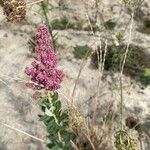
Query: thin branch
point(101, 63)
point(85, 60)
point(128, 44)
point(74, 145)
point(32, 3)
point(122, 68)
point(77, 79)
point(20, 131)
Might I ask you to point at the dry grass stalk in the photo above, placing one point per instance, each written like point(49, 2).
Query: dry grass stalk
point(38, 1)
point(101, 63)
point(123, 140)
point(122, 68)
point(22, 132)
point(85, 59)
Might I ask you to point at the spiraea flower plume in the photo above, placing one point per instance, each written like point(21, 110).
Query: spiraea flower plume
point(44, 72)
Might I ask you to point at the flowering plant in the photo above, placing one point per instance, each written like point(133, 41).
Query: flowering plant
point(45, 75)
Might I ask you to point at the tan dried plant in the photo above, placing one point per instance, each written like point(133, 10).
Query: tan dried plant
point(15, 10)
point(124, 141)
point(76, 118)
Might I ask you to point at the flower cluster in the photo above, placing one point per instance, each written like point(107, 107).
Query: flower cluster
point(44, 73)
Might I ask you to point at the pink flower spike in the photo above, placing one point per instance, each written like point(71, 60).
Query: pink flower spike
point(44, 73)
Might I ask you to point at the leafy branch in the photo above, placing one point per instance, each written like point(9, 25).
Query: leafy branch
point(56, 122)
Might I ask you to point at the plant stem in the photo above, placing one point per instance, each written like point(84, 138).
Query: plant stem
point(122, 69)
point(32, 3)
point(44, 8)
point(56, 120)
point(121, 104)
point(27, 4)
point(20, 131)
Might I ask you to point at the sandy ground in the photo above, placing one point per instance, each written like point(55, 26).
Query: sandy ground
point(16, 107)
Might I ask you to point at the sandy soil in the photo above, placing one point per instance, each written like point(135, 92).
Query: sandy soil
point(16, 107)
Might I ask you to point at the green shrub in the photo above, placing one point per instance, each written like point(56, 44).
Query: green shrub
point(64, 23)
point(145, 76)
point(82, 51)
point(147, 23)
point(110, 25)
point(61, 24)
point(95, 28)
point(137, 63)
point(145, 28)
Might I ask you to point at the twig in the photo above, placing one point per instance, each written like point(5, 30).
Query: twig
point(77, 79)
point(20, 131)
point(104, 57)
point(3, 82)
point(43, 5)
point(122, 69)
point(85, 59)
point(90, 141)
point(32, 3)
point(74, 145)
point(101, 63)
point(44, 8)
point(55, 117)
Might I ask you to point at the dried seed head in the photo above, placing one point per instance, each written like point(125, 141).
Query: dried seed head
point(128, 2)
point(15, 10)
point(124, 141)
point(76, 118)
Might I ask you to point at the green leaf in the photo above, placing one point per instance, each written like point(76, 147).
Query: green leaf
point(53, 128)
point(54, 97)
point(44, 119)
point(57, 105)
point(48, 112)
point(64, 116)
point(56, 148)
point(43, 101)
point(51, 124)
point(147, 72)
point(56, 122)
point(66, 136)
